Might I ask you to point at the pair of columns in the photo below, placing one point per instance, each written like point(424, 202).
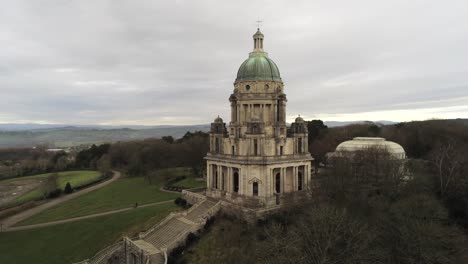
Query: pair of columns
point(294, 186)
point(220, 180)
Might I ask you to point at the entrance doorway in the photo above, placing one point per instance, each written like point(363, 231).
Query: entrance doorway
point(236, 182)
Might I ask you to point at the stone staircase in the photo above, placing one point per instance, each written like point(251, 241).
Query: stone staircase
point(158, 259)
point(162, 238)
point(198, 212)
point(166, 233)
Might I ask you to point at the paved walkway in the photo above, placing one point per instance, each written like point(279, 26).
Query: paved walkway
point(16, 228)
point(12, 220)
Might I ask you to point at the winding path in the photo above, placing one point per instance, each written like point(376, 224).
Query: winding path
point(7, 223)
point(16, 228)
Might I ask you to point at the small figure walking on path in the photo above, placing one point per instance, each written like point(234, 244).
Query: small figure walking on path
point(136, 205)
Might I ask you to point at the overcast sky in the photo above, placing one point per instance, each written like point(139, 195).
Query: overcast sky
point(174, 62)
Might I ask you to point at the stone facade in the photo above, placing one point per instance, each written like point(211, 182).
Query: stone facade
point(257, 159)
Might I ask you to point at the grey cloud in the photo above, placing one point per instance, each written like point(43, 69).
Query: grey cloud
point(160, 62)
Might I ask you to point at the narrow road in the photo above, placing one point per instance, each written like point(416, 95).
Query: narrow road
point(16, 228)
point(12, 220)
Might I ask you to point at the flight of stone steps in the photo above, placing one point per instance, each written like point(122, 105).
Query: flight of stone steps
point(198, 212)
point(163, 237)
point(176, 229)
point(165, 234)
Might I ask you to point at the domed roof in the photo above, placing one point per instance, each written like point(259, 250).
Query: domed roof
point(299, 119)
point(363, 143)
point(258, 67)
point(218, 120)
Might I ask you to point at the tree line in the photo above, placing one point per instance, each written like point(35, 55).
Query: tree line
point(140, 157)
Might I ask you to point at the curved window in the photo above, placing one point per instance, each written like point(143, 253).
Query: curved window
point(222, 181)
point(255, 189)
point(299, 181)
point(217, 145)
point(255, 147)
point(236, 182)
point(247, 87)
point(215, 180)
point(278, 183)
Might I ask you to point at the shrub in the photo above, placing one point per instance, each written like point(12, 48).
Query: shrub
point(68, 189)
point(55, 193)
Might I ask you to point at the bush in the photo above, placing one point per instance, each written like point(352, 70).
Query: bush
point(68, 189)
point(182, 202)
point(54, 194)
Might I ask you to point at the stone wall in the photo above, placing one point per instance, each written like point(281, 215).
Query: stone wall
point(192, 196)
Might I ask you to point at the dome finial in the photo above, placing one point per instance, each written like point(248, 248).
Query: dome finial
point(259, 23)
point(258, 38)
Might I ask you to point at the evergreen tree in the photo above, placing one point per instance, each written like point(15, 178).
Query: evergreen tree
point(68, 188)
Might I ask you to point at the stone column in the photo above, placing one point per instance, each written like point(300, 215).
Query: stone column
point(294, 178)
point(233, 111)
point(283, 177)
point(208, 175)
point(220, 177)
point(228, 171)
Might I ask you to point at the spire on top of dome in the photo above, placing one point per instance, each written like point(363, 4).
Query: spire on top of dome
point(258, 40)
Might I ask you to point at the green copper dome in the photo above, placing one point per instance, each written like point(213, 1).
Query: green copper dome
point(258, 67)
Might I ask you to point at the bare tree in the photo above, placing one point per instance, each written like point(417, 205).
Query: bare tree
point(448, 159)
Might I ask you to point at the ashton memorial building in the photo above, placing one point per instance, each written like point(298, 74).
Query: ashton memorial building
point(257, 160)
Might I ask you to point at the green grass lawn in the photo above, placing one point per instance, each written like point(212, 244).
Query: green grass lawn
point(190, 182)
point(76, 179)
point(122, 193)
point(76, 241)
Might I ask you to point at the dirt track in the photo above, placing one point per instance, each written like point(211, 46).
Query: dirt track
point(7, 223)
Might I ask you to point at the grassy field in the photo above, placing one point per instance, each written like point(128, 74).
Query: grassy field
point(76, 179)
point(122, 193)
point(72, 242)
point(189, 181)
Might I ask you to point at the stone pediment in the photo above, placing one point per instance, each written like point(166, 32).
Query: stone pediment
point(255, 179)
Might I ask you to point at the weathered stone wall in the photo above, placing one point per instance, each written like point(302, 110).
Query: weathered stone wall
point(192, 197)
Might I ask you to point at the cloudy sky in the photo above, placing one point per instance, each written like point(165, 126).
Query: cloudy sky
point(174, 62)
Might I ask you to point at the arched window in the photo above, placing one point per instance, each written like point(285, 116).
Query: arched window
point(247, 87)
point(236, 182)
point(222, 181)
point(255, 147)
point(281, 150)
point(299, 181)
point(215, 179)
point(217, 145)
point(233, 150)
point(299, 145)
point(255, 189)
point(278, 110)
point(133, 258)
point(278, 183)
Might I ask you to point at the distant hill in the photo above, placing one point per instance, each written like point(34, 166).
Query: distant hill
point(463, 120)
point(63, 135)
point(345, 123)
point(73, 136)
